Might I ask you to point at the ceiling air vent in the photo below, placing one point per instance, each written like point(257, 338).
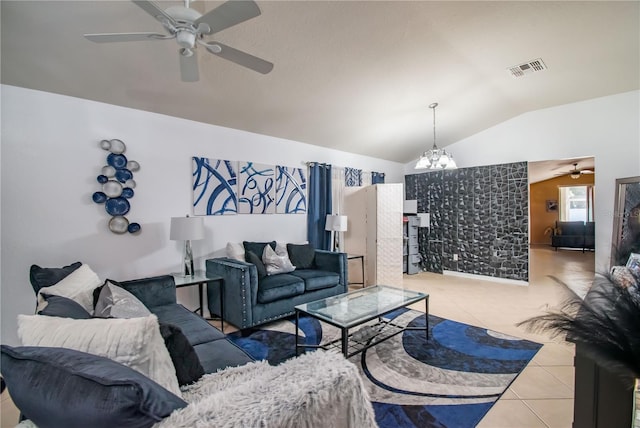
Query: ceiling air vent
point(527, 68)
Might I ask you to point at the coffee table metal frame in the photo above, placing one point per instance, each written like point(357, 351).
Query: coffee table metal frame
point(376, 333)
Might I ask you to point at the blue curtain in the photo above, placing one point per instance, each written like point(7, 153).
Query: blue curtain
point(377, 177)
point(319, 205)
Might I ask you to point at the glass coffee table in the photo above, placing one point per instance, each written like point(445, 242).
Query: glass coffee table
point(351, 310)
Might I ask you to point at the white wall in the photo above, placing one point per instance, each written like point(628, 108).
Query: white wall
point(607, 128)
point(50, 160)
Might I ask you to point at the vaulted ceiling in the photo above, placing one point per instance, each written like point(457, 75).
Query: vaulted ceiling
point(355, 76)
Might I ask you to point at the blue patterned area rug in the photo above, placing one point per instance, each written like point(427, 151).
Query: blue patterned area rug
point(451, 380)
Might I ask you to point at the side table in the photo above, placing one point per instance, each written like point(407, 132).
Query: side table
point(354, 257)
point(200, 278)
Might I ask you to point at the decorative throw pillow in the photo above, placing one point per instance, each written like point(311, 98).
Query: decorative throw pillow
point(78, 286)
point(235, 251)
point(116, 302)
point(184, 357)
point(281, 247)
point(301, 256)
point(281, 250)
point(254, 259)
point(256, 247)
point(134, 342)
point(46, 277)
point(274, 263)
point(58, 387)
point(58, 306)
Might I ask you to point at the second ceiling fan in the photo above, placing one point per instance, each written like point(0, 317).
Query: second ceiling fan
point(575, 173)
point(188, 27)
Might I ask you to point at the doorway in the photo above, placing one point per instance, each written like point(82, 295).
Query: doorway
point(549, 203)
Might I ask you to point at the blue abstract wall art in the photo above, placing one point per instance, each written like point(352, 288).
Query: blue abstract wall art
point(214, 186)
point(291, 190)
point(352, 177)
point(256, 188)
point(116, 179)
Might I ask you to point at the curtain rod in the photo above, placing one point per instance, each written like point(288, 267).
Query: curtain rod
point(311, 163)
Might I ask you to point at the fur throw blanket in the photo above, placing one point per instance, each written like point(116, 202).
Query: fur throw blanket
point(318, 389)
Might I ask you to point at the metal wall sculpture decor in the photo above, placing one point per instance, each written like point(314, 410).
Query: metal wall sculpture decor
point(117, 183)
point(224, 187)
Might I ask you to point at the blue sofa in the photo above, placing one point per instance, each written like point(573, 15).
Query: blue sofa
point(158, 294)
point(574, 234)
point(250, 301)
point(63, 387)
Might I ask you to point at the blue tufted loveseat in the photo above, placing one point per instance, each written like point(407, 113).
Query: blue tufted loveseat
point(250, 301)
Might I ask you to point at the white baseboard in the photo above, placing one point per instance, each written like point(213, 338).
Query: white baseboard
point(486, 278)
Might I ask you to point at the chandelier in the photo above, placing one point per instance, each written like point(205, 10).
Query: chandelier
point(435, 159)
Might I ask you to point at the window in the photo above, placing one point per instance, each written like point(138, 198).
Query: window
point(576, 203)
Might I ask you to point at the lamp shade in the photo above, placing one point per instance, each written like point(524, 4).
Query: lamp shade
point(186, 228)
point(336, 223)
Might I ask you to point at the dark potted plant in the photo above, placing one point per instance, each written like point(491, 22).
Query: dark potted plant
point(605, 328)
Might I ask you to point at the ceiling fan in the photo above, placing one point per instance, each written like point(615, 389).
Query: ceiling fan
point(188, 27)
point(575, 173)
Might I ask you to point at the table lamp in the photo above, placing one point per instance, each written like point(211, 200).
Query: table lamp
point(336, 224)
point(187, 229)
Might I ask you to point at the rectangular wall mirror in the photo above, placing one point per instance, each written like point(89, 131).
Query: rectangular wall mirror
point(626, 218)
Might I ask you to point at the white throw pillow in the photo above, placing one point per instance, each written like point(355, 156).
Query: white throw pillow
point(235, 250)
point(134, 342)
point(78, 286)
point(281, 249)
point(275, 263)
point(116, 302)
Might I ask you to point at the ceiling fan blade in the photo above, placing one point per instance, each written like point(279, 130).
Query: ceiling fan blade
point(125, 37)
point(153, 9)
point(241, 58)
point(229, 14)
point(189, 66)
point(587, 171)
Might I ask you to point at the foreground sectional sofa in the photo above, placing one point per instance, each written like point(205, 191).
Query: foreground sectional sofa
point(120, 376)
point(214, 350)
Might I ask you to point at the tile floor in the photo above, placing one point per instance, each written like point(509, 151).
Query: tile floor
point(9, 414)
point(542, 396)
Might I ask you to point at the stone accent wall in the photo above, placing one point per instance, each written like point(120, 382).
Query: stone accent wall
point(480, 214)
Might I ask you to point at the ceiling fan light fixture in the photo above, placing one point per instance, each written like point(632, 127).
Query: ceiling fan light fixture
point(435, 159)
point(186, 39)
point(575, 174)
